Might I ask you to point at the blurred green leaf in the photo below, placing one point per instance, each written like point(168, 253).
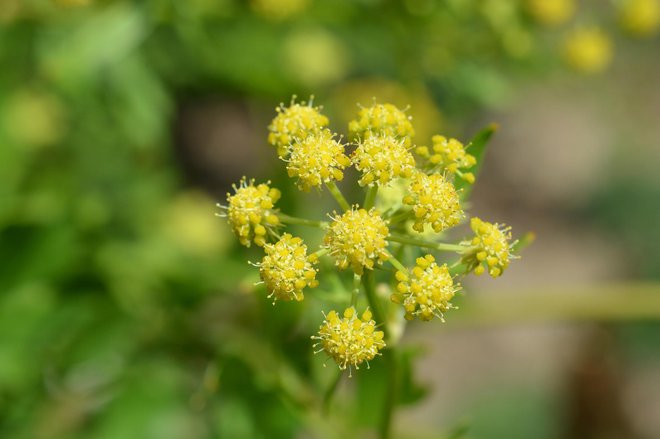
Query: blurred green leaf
point(476, 147)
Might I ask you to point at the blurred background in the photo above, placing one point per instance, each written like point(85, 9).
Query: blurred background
point(127, 309)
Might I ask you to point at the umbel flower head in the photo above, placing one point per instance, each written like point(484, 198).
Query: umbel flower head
point(450, 155)
point(286, 269)
point(382, 158)
point(489, 249)
point(296, 121)
point(250, 211)
point(588, 50)
point(357, 239)
point(434, 201)
point(350, 340)
point(316, 159)
point(382, 119)
point(426, 292)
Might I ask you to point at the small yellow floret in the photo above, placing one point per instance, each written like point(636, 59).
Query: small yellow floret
point(294, 123)
point(286, 269)
point(451, 156)
point(250, 211)
point(350, 340)
point(551, 12)
point(381, 159)
point(490, 248)
point(357, 239)
point(434, 201)
point(382, 119)
point(316, 159)
point(640, 17)
point(426, 291)
point(588, 50)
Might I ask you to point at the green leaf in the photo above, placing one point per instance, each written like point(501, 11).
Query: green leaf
point(410, 390)
point(476, 147)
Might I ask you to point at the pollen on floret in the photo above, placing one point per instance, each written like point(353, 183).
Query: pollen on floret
point(350, 339)
point(449, 155)
point(316, 159)
point(286, 269)
point(426, 291)
point(490, 248)
point(588, 50)
point(296, 121)
point(250, 211)
point(382, 158)
point(382, 119)
point(357, 239)
point(434, 201)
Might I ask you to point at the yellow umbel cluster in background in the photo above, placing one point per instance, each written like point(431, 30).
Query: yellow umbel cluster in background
point(250, 211)
point(350, 340)
point(640, 17)
point(316, 159)
point(551, 12)
point(491, 248)
point(418, 203)
point(357, 239)
point(381, 158)
point(286, 269)
point(434, 201)
point(426, 291)
point(588, 50)
point(382, 119)
point(294, 122)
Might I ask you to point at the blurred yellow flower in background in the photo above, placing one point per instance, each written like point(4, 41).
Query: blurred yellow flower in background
point(640, 17)
point(551, 12)
point(588, 50)
point(276, 10)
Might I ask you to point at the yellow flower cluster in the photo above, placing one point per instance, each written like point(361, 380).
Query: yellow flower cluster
point(287, 270)
point(382, 158)
point(382, 119)
point(294, 123)
point(250, 211)
point(357, 239)
point(434, 201)
point(350, 340)
point(427, 292)
point(490, 248)
point(551, 12)
point(588, 50)
point(450, 155)
point(316, 159)
point(640, 17)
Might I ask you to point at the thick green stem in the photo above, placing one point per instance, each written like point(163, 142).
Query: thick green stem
point(370, 198)
point(301, 221)
point(336, 193)
point(330, 393)
point(442, 246)
point(391, 395)
point(385, 425)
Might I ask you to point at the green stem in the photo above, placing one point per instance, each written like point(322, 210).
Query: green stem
point(395, 262)
point(301, 221)
point(400, 217)
point(370, 199)
point(385, 427)
point(336, 193)
point(356, 289)
point(321, 252)
point(442, 246)
point(330, 393)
